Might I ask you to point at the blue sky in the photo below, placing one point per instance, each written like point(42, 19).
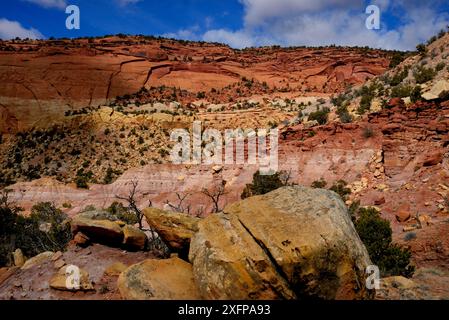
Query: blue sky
point(239, 23)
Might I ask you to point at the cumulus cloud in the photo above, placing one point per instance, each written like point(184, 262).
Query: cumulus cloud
point(325, 22)
point(12, 29)
point(59, 4)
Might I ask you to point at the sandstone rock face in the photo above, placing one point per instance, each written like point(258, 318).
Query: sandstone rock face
point(294, 242)
point(134, 238)
point(102, 231)
point(78, 74)
point(175, 229)
point(169, 279)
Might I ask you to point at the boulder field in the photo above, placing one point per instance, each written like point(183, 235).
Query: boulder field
point(292, 243)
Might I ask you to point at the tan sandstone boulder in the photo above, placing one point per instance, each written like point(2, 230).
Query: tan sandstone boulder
point(62, 280)
point(294, 242)
point(168, 279)
point(38, 260)
point(134, 238)
point(175, 229)
point(101, 231)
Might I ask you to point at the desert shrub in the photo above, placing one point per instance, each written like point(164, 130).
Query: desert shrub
point(46, 229)
point(110, 175)
point(440, 66)
point(342, 112)
point(376, 234)
point(340, 187)
point(338, 100)
point(319, 184)
point(201, 95)
point(122, 213)
point(82, 179)
point(415, 94)
point(401, 91)
point(423, 74)
point(397, 58)
point(421, 48)
point(399, 77)
point(263, 184)
point(320, 116)
point(365, 104)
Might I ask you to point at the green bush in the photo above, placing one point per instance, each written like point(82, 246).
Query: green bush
point(376, 234)
point(46, 229)
point(320, 116)
point(365, 104)
point(421, 48)
point(342, 112)
point(423, 74)
point(415, 95)
point(122, 213)
point(340, 187)
point(319, 184)
point(401, 91)
point(263, 184)
point(399, 77)
point(440, 66)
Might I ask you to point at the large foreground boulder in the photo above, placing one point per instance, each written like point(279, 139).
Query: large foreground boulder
point(294, 242)
point(168, 279)
point(175, 229)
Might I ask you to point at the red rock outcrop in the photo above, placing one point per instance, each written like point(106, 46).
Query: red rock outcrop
point(43, 79)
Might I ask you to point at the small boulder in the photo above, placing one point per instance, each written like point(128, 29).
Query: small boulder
point(101, 231)
point(168, 279)
point(134, 238)
point(65, 280)
point(81, 240)
point(403, 215)
point(433, 159)
point(19, 258)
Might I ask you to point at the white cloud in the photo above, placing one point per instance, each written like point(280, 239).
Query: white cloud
point(59, 4)
point(12, 29)
point(259, 10)
point(237, 39)
point(325, 22)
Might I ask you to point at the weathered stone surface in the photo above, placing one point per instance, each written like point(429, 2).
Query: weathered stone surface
point(134, 238)
point(433, 158)
point(175, 229)
point(38, 260)
point(115, 269)
point(169, 279)
point(437, 90)
point(59, 281)
point(294, 242)
point(102, 231)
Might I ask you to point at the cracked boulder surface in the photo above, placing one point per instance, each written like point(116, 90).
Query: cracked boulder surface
point(294, 242)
